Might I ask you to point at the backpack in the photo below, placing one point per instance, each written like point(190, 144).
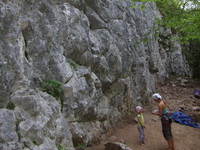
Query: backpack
point(196, 93)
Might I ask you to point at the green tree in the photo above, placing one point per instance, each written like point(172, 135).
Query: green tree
point(183, 17)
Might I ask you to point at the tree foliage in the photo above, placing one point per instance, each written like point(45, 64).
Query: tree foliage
point(183, 17)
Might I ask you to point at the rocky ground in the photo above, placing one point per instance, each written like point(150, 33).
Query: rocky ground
point(178, 93)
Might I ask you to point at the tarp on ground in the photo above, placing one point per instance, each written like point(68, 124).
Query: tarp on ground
point(184, 119)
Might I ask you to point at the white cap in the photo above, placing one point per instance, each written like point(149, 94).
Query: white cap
point(138, 109)
point(156, 96)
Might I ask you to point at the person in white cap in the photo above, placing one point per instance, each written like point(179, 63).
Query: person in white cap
point(163, 112)
point(140, 126)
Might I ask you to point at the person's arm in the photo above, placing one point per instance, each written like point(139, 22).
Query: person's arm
point(160, 108)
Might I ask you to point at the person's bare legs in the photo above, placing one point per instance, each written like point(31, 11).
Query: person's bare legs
point(172, 141)
point(171, 144)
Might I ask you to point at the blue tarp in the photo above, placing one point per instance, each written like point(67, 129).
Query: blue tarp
point(184, 119)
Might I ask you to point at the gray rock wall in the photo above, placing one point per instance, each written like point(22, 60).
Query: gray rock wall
point(103, 53)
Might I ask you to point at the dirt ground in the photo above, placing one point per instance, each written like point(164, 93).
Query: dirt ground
point(179, 96)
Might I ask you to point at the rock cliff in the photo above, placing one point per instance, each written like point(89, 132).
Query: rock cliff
point(107, 56)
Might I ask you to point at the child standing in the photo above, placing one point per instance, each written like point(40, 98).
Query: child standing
point(140, 125)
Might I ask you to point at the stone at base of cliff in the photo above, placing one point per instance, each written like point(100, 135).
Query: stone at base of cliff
point(116, 146)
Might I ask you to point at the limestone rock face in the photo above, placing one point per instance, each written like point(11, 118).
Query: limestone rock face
point(7, 128)
point(105, 55)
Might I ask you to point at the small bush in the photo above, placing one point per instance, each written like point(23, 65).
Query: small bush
point(60, 147)
point(81, 147)
point(10, 106)
point(52, 87)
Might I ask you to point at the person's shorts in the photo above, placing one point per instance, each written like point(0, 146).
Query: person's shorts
point(166, 126)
